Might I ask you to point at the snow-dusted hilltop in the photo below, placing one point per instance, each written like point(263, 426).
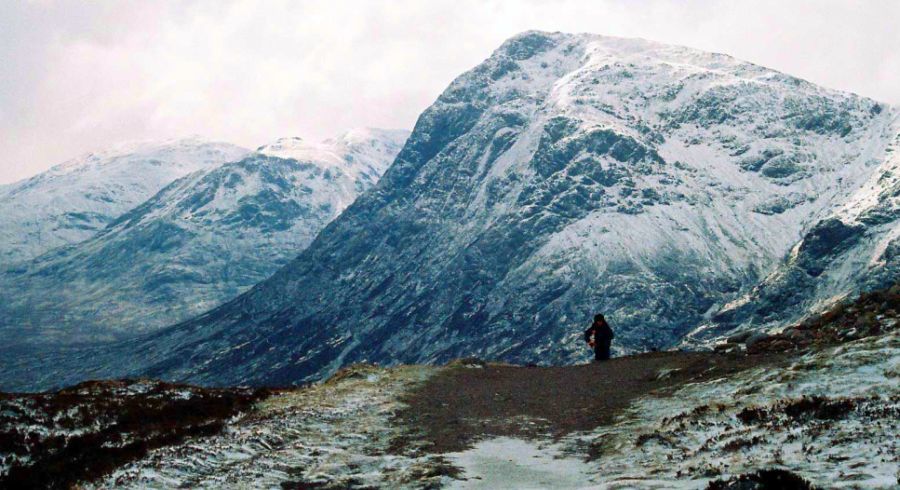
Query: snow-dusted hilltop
point(201, 240)
point(362, 153)
point(565, 175)
point(72, 201)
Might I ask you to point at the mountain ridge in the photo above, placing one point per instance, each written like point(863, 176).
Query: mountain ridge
point(199, 241)
point(73, 200)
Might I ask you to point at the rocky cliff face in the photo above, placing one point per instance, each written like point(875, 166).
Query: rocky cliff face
point(565, 175)
point(200, 241)
point(76, 199)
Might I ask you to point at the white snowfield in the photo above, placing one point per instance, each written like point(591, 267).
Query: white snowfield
point(630, 85)
point(338, 432)
point(870, 262)
point(73, 200)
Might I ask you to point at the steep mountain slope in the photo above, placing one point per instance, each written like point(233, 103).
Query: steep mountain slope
point(72, 201)
point(202, 240)
point(854, 248)
point(567, 174)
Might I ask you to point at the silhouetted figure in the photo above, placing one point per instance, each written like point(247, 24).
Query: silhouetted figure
point(599, 336)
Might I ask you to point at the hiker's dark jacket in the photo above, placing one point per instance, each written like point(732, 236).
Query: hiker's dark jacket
point(601, 333)
point(603, 336)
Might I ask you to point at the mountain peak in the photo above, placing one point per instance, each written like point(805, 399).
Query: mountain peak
point(345, 152)
point(366, 135)
point(75, 199)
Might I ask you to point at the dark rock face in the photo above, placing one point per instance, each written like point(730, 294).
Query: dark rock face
point(773, 479)
point(563, 176)
point(780, 204)
point(826, 240)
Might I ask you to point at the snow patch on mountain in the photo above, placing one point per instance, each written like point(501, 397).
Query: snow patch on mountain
point(852, 247)
point(359, 152)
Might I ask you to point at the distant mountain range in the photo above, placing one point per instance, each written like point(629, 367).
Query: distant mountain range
point(74, 200)
point(201, 240)
point(684, 194)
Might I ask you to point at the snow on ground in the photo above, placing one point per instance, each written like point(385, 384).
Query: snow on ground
point(336, 434)
point(56, 439)
point(506, 462)
point(831, 417)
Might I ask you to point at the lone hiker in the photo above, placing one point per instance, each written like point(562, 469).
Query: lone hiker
point(599, 336)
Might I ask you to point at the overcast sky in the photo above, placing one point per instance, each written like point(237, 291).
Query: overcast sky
point(79, 76)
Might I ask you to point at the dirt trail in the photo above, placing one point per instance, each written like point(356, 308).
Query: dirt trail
point(466, 402)
point(471, 401)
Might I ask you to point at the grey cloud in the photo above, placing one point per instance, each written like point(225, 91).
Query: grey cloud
point(82, 76)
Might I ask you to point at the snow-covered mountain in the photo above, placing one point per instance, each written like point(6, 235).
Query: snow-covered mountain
point(73, 200)
point(201, 240)
point(565, 175)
